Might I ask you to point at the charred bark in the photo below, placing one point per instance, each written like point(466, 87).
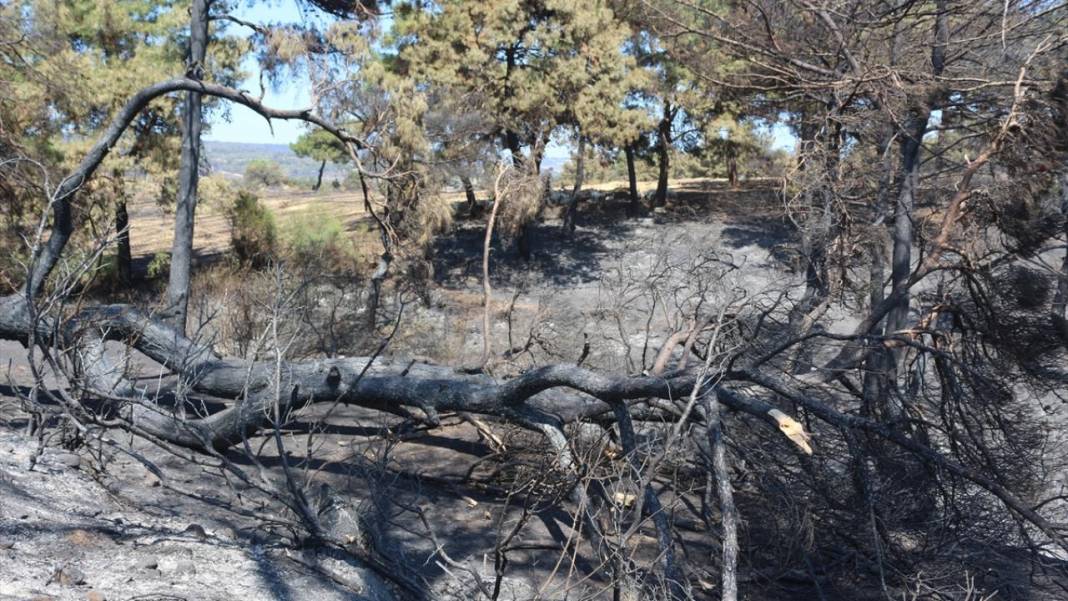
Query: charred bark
point(580, 174)
point(123, 254)
point(911, 145)
point(634, 207)
point(177, 295)
point(663, 151)
point(469, 193)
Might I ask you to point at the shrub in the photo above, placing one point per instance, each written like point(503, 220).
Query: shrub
point(253, 233)
point(159, 266)
point(351, 182)
point(314, 237)
point(216, 194)
point(263, 173)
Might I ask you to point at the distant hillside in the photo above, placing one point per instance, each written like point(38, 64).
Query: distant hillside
point(231, 158)
point(553, 164)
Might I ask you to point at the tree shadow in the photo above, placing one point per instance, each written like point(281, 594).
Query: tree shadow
point(557, 258)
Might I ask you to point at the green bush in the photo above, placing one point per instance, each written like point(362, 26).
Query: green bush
point(253, 234)
point(311, 233)
point(315, 237)
point(159, 266)
point(263, 173)
point(351, 182)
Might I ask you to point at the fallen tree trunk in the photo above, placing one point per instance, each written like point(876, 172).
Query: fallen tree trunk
point(560, 394)
point(567, 392)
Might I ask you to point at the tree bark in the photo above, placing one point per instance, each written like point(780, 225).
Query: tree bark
point(469, 192)
point(663, 150)
point(651, 505)
point(319, 178)
point(384, 384)
point(487, 289)
point(635, 207)
point(177, 295)
point(123, 254)
point(1060, 298)
point(1059, 96)
point(816, 236)
point(901, 258)
point(580, 174)
point(732, 165)
point(728, 510)
point(911, 145)
point(515, 148)
point(523, 244)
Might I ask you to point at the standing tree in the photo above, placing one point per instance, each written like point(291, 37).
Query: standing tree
point(176, 302)
point(533, 66)
point(320, 146)
point(117, 48)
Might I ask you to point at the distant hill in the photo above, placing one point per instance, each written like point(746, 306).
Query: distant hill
point(553, 164)
point(231, 158)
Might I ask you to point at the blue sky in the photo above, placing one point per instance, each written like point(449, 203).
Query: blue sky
point(247, 126)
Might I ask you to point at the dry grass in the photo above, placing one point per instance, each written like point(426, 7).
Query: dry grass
point(682, 183)
point(152, 228)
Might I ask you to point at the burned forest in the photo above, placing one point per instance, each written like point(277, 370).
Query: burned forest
point(534, 300)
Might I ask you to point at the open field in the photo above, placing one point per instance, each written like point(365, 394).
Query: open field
point(151, 228)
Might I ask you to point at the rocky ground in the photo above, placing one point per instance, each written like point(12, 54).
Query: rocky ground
point(70, 531)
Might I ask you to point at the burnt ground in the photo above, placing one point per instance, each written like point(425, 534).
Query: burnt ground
point(95, 519)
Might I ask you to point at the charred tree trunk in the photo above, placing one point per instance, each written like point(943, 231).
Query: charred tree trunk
point(580, 174)
point(663, 151)
point(732, 164)
point(469, 193)
point(515, 148)
point(816, 235)
point(1060, 298)
point(895, 402)
point(524, 244)
point(374, 292)
point(875, 377)
point(875, 385)
point(537, 153)
point(725, 492)
point(177, 295)
point(901, 259)
point(911, 145)
point(123, 254)
point(319, 177)
point(635, 207)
